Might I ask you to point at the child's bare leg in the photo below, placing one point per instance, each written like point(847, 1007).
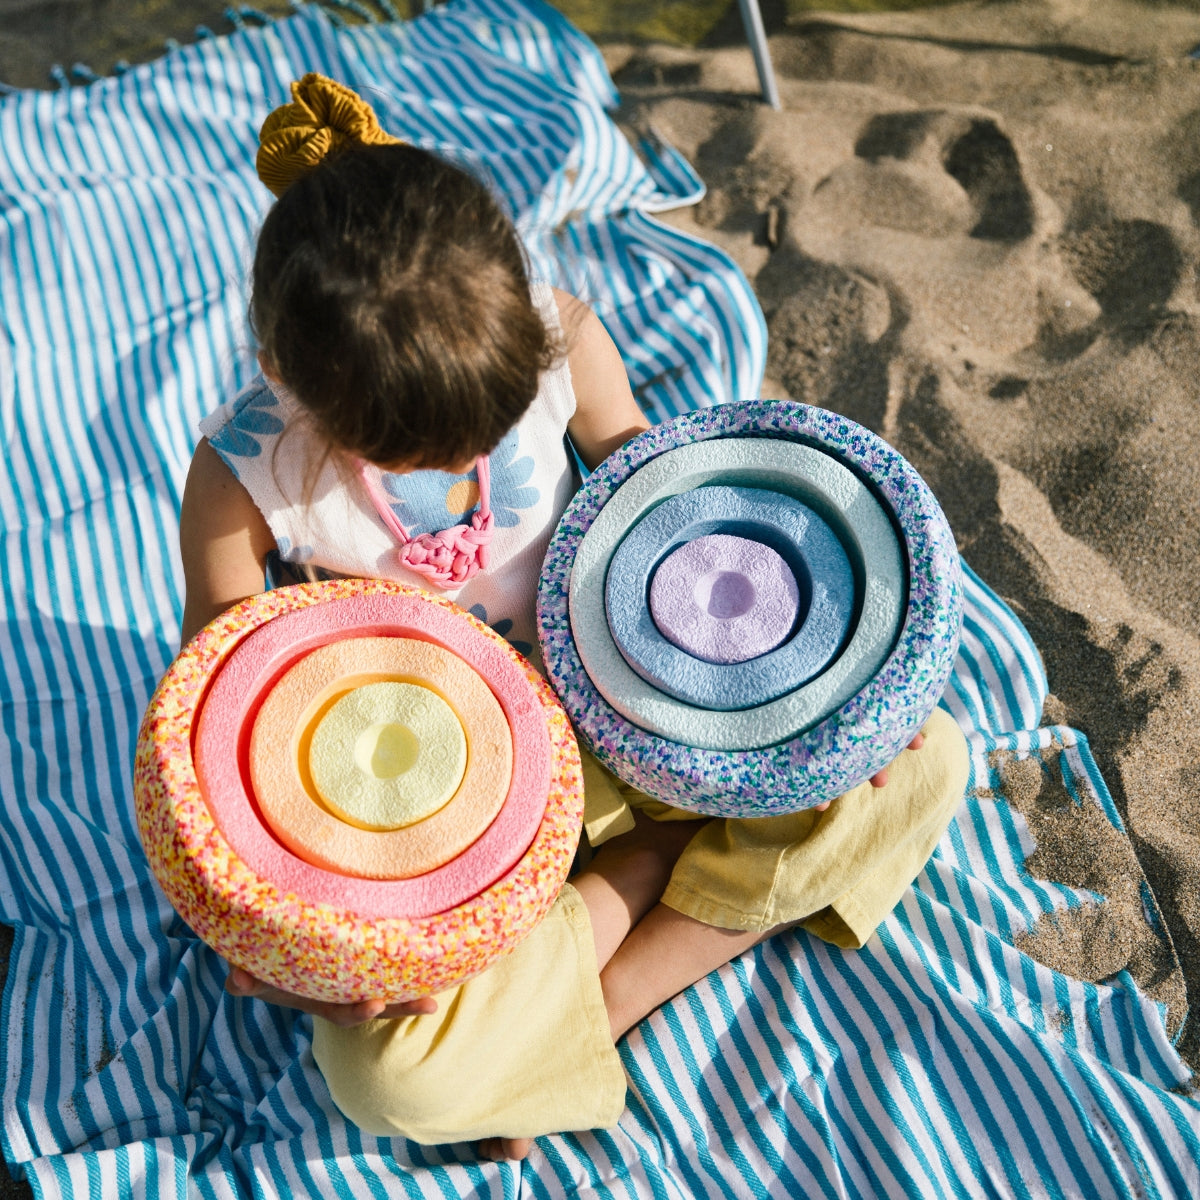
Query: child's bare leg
point(620, 886)
point(627, 876)
point(666, 952)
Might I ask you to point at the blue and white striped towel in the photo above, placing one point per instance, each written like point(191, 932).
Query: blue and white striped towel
point(938, 1061)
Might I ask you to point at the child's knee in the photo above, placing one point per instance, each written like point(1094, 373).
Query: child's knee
point(519, 1050)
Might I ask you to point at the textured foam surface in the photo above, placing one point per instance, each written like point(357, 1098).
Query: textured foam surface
point(863, 731)
point(814, 558)
point(248, 677)
point(345, 939)
point(387, 754)
point(284, 790)
point(806, 474)
point(725, 599)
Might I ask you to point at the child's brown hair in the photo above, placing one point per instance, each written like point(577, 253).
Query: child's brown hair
point(390, 294)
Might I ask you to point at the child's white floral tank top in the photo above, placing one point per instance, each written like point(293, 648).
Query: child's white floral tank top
point(268, 445)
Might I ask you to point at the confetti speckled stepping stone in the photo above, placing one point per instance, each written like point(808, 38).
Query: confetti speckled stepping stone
point(300, 926)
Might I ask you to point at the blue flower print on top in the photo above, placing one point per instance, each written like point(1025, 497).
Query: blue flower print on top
point(428, 501)
point(509, 475)
point(293, 554)
point(251, 415)
point(503, 628)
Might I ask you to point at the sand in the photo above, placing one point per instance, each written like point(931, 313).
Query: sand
point(974, 229)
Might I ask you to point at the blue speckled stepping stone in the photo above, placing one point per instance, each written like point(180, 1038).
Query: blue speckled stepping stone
point(809, 557)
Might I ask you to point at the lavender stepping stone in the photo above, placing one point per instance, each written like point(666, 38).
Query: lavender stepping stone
point(793, 653)
point(724, 599)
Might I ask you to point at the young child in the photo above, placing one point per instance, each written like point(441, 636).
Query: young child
point(413, 379)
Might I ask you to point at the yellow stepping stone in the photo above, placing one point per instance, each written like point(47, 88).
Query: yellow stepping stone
point(386, 755)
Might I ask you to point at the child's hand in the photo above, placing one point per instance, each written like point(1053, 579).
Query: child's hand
point(880, 778)
point(242, 983)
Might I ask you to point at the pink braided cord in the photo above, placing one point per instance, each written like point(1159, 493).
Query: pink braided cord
point(449, 558)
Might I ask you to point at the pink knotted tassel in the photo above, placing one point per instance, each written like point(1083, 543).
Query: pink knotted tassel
point(449, 558)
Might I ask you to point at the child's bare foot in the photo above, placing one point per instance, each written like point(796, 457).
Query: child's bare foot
point(504, 1149)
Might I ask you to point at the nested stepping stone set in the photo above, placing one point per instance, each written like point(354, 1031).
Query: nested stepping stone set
point(355, 789)
point(751, 609)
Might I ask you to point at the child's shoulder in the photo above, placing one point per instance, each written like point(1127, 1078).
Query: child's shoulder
point(243, 426)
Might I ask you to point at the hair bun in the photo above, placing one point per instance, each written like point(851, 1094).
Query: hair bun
point(323, 118)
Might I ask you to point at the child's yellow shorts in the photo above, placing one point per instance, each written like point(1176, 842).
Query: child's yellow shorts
point(524, 1049)
point(838, 873)
point(521, 1050)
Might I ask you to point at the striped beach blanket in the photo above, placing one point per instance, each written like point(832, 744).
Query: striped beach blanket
point(941, 1060)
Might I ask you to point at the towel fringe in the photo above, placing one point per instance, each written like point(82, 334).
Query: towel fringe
point(256, 14)
point(359, 10)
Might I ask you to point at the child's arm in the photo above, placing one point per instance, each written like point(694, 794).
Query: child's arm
point(606, 414)
point(223, 538)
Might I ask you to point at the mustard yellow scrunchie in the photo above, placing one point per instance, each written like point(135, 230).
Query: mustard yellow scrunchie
point(323, 117)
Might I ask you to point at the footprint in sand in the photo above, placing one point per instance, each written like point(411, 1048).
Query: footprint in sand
point(1132, 268)
point(935, 174)
point(927, 243)
point(935, 208)
point(924, 244)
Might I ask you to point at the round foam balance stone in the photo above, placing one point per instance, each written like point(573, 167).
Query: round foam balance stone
point(818, 481)
point(320, 934)
point(807, 550)
point(725, 599)
point(387, 754)
point(288, 799)
point(853, 733)
point(228, 717)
